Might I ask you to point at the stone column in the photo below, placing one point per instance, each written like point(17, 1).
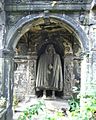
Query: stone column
point(7, 80)
point(2, 24)
point(31, 75)
point(68, 75)
point(91, 82)
point(2, 41)
point(86, 79)
point(84, 76)
point(1, 77)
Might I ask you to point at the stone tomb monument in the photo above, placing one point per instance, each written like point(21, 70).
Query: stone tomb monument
point(44, 68)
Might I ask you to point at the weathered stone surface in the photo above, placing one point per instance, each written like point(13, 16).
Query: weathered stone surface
point(24, 77)
point(64, 1)
point(68, 15)
point(2, 28)
point(1, 79)
point(41, 6)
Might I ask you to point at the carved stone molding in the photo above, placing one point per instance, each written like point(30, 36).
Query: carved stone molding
point(64, 1)
point(6, 53)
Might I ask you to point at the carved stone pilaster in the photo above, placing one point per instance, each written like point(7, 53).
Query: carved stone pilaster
point(20, 77)
point(31, 74)
point(85, 73)
point(6, 59)
point(2, 24)
point(91, 74)
point(68, 75)
point(1, 77)
point(7, 66)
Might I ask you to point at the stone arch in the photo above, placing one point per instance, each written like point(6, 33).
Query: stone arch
point(24, 24)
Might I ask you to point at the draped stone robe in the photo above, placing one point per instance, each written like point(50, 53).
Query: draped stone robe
point(49, 72)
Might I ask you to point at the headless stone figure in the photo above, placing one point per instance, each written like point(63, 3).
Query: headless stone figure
point(49, 72)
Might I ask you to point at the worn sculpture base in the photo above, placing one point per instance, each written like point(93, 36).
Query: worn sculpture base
point(45, 96)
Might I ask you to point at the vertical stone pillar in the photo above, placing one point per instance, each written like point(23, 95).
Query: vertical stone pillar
point(1, 77)
point(2, 24)
point(86, 79)
point(2, 31)
point(32, 75)
point(84, 76)
point(68, 75)
point(83, 82)
point(7, 60)
point(92, 70)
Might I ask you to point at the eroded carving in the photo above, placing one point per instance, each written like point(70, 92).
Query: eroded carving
point(31, 75)
point(68, 75)
point(49, 73)
point(20, 79)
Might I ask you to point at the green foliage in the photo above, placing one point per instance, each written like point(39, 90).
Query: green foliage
point(88, 110)
point(74, 104)
point(34, 111)
point(31, 111)
point(90, 107)
point(57, 116)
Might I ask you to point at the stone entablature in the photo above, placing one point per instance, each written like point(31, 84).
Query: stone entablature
point(64, 1)
point(18, 5)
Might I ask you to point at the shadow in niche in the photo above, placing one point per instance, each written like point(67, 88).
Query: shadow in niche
point(58, 94)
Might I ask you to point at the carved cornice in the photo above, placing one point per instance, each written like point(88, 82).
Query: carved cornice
point(64, 1)
point(41, 5)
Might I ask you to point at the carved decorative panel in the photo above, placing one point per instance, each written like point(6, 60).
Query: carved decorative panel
point(31, 75)
point(21, 79)
point(24, 76)
point(68, 75)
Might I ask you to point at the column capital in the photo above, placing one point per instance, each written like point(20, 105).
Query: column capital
point(6, 53)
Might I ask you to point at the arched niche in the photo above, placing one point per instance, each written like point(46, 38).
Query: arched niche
point(24, 24)
point(46, 30)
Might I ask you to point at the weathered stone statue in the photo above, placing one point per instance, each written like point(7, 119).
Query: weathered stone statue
point(49, 72)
